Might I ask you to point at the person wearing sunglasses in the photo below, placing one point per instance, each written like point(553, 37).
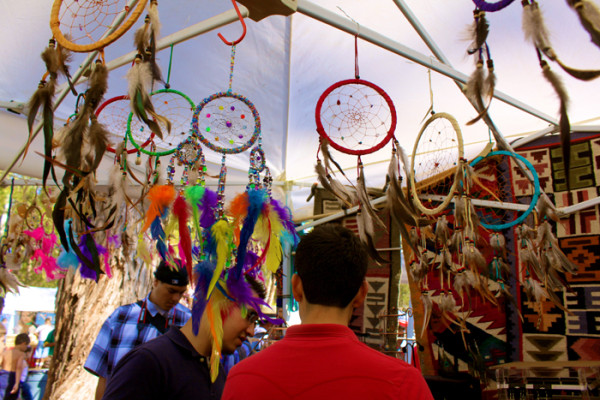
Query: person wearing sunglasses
point(181, 363)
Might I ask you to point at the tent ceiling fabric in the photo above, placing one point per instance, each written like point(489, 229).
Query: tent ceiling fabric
point(285, 63)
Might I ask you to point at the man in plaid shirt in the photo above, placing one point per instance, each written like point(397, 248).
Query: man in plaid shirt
point(133, 324)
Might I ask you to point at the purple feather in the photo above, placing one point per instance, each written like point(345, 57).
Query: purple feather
point(256, 201)
point(85, 271)
point(285, 215)
point(204, 271)
point(251, 258)
point(207, 208)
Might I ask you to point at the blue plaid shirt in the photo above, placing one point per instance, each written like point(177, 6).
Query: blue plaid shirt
point(121, 332)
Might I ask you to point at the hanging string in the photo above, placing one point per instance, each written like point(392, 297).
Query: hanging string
point(231, 68)
point(167, 84)
point(430, 110)
point(10, 200)
point(356, 74)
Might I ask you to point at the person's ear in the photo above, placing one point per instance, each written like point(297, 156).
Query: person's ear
point(297, 288)
point(360, 295)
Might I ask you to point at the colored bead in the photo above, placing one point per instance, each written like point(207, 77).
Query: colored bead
point(228, 124)
point(232, 108)
point(242, 116)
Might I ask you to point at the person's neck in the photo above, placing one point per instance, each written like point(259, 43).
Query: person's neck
point(200, 342)
point(318, 314)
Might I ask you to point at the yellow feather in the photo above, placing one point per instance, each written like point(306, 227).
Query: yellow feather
point(223, 235)
point(172, 224)
point(274, 253)
point(215, 305)
point(142, 249)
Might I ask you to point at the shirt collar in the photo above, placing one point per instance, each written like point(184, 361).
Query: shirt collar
point(153, 308)
point(318, 331)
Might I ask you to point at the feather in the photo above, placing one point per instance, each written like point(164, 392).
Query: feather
point(546, 208)
point(427, 310)
point(204, 272)
point(141, 37)
point(475, 87)
point(565, 126)
point(161, 197)
point(488, 88)
point(208, 207)
point(535, 29)
point(326, 180)
point(442, 232)
point(155, 27)
point(158, 234)
point(8, 281)
point(480, 30)
point(64, 57)
point(142, 249)
point(98, 140)
point(182, 212)
point(214, 311)
point(140, 81)
point(222, 235)
point(256, 200)
point(51, 59)
point(589, 15)
point(237, 210)
point(98, 86)
point(285, 216)
point(193, 196)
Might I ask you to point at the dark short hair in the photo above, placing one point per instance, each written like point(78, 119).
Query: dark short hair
point(257, 286)
point(22, 338)
point(332, 263)
point(175, 274)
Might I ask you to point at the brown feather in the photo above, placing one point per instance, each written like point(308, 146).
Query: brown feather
point(98, 140)
point(325, 181)
point(480, 31)
point(564, 125)
point(98, 86)
point(474, 88)
point(589, 15)
point(488, 88)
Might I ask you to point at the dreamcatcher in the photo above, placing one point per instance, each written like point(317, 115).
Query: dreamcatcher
point(493, 185)
point(437, 155)
point(84, 26)
point(355, 117)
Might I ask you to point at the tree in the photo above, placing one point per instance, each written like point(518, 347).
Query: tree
point(82, 306)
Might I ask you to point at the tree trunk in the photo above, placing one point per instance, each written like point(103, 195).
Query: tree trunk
point(82, 305)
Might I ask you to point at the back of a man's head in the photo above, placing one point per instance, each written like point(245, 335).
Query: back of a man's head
point(332, 264)
point(22, 338)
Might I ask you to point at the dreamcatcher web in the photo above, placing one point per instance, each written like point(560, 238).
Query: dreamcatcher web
point(177, 109)
point(227, 123)
point(113, 114)
point(85, 21)
point(437, 150)
point(355, 116)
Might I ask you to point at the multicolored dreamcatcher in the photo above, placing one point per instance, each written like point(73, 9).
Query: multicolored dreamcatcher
point(227, 123)
point(86, 25)
point(355, 117)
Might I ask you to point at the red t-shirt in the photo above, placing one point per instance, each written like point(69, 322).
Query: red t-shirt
point(323, 362)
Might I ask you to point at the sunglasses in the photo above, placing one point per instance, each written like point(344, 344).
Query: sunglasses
point(251, 317)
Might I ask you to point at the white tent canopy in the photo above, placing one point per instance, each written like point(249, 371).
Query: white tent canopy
point(285, 63)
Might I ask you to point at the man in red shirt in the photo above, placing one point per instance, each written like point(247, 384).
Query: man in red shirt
point(322, 358)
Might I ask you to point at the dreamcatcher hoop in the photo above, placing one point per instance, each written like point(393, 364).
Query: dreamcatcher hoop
point(534, 198)
point(141, 147)
point(488, 6)
point(62, 40)
point(355, 119)
point(108, 103)
point(415, 195)
point(222, 124)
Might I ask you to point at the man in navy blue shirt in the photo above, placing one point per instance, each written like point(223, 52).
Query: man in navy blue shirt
point(133, 324)
point(177, 365)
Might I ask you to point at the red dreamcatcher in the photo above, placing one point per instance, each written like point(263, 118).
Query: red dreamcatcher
point(355, 117)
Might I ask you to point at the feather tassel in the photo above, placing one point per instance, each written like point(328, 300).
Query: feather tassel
point(564, 125)
point(182, 212)
point(161, 197)
point(222, 235)
point(589, 15)
point(256, 201)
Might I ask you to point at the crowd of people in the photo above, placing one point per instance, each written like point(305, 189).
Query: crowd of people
point(154, 349)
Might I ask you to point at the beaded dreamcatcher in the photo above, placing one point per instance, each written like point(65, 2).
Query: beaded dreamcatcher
point(355, 117)
point(227, 123)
